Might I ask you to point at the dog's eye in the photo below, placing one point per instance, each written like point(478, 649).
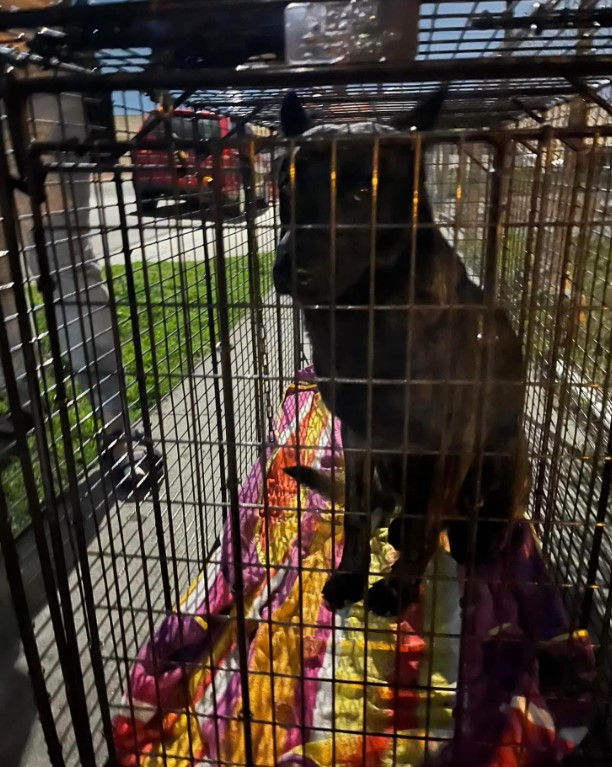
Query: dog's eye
point(355, 182)
point(362, 194)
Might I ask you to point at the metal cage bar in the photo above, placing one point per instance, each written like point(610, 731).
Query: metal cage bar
point(206, 349)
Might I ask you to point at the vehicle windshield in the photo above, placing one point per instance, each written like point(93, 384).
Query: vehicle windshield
point(188, 128)
point(209, 128)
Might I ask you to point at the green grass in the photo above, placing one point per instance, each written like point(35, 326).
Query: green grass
point(585, 337)
point(172, 319)
point(585, 340)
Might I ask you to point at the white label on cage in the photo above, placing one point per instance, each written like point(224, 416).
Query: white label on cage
point(351, 32)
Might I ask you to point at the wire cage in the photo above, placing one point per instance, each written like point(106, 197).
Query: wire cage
point(179, 620)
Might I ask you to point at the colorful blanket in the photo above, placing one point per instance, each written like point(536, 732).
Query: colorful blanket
point(334, 694)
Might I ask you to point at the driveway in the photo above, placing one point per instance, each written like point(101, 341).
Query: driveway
point(171, 232)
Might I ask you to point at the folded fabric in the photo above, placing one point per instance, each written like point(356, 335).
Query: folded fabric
point(323, 690)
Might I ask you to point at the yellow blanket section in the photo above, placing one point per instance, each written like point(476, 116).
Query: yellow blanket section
point(318, 681)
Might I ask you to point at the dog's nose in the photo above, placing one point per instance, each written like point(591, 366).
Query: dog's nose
point(281, 272)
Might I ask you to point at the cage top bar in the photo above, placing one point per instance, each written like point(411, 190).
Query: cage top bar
point(226, 33)
point(469, 104)
point(591, 67)
point(527, 54)
point(364, 92)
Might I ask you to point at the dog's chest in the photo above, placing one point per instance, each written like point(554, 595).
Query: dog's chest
point(408, 360)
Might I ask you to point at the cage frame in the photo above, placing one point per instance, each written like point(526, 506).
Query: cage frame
point(583, 67)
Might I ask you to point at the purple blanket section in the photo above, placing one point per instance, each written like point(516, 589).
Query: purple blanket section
point(517, 643)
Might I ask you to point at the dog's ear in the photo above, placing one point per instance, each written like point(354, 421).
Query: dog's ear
point(294, 120)
point(425, 115)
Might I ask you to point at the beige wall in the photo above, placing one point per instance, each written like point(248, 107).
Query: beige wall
point(127, 126)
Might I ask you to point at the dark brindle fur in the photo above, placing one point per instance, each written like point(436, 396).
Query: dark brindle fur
point(432, 339)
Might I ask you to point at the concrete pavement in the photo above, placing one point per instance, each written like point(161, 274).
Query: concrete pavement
point(124, 557)
point(171, 232)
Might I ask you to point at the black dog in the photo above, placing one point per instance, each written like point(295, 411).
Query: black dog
point(406, 377)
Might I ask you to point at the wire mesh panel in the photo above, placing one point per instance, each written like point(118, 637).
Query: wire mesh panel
point(205, 349)
point(232, 352)
point(556, 238)
point(139, 294)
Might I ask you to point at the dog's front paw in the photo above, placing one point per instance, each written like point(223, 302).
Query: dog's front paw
point(406, 534)
point(343, 589)
point(394, 534)
point(389, 596)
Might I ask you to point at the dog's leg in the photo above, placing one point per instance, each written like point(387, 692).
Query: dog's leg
point(416, 494)
point(383, 500)
point(438, 491)
point(504, 493)
point(406, 534)
point(319, 481)
point(400, 588)
point(347, 584)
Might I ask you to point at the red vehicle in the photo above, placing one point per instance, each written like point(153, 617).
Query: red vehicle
point(186, 175)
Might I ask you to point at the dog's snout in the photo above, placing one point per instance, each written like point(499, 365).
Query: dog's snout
point(281, 272)
point(282, 249)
